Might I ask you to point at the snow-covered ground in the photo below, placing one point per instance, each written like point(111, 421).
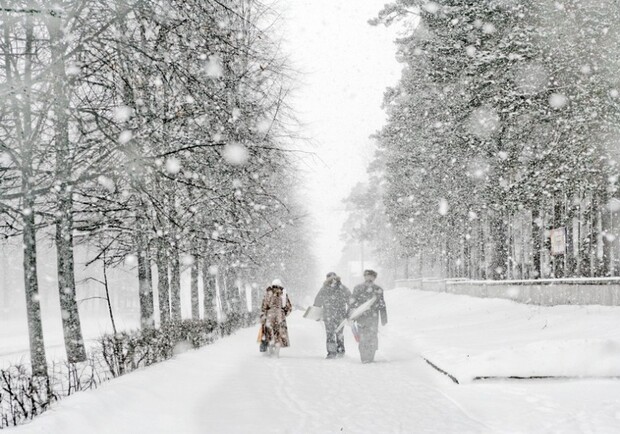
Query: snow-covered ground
point(229, 387)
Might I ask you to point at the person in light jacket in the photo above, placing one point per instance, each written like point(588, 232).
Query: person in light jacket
point(368, 322)
point(333, 297)
point(275, 308)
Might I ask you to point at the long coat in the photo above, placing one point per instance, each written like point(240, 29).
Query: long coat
point(275, 308)
point(368, 322)
point(334, 299)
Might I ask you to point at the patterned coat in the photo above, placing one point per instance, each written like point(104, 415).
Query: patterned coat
point(275, 308)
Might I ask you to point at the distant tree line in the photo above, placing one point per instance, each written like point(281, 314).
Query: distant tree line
point(158, 132)
point(503, 133)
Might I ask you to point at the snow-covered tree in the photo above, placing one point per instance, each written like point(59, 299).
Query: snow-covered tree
point(504, 113)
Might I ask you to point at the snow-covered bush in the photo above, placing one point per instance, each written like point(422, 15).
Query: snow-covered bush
point(127, 351)
point(24, 396)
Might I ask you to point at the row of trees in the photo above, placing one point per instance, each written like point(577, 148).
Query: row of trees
point(157, 132)
point(504, 125)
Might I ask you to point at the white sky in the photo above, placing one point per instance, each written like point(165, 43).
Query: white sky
point(346, 64)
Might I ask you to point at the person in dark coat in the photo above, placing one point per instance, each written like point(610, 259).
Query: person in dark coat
point(368, 322)
point(333, 297)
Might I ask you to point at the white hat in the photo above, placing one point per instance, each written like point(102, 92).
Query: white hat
point(277, 282)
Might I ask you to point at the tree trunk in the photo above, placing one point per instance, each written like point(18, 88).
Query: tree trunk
point(224, 289)
point(467, 259)
point(578, 239)
point(421, 266)
point(572, 241)
point(585, 237)
point(500, 252)
point(145, 289)
point(71, 326)
point(175, 283)
point(537, 242)
point(406, 267)
point(23, 136)
point(558, 222)
point(163, 283)
point(524, 270)
point(175, 266)
point(72, 330)
point(606, 237)
point(208, 287)
point(482, 267)
point(194, 289)
point(595, 233)
point(510, 247)
point(33, 305)
point(107, 292)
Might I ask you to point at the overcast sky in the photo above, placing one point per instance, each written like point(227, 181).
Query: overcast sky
point(345, 65)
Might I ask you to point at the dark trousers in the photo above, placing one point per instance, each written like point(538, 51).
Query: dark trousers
point(334, 340)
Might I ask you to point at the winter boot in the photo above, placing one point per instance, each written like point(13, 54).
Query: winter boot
point(367, 355)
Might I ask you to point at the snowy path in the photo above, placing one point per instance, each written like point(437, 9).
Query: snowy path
point(318, 395)
point(229, 387)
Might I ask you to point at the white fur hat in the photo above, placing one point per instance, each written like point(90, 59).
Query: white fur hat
point(277, 282)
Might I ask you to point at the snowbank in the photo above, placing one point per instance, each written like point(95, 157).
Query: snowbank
point(471, 337)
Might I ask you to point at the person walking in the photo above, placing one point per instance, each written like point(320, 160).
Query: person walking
point(275, 308)
point(333, 297)
point(368, 321)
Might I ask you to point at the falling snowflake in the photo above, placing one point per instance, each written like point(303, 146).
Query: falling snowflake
point(125, 137)
point(5, 159)
point(188, 260)
point(484, 122)
point(131, 260)
point(213, 67)
point(236, 113)
point(531, 79)
point(173, 165)
point(235, 154)
point(443, 206)
point(263, 126)
point(558, 100)
point(106, 183)
point(73, 70)
point(431, 7)
point(488, 28)
point(122, 113)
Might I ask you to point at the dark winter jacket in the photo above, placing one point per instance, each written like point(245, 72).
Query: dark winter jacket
point(364, 292)
point(334, 299)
